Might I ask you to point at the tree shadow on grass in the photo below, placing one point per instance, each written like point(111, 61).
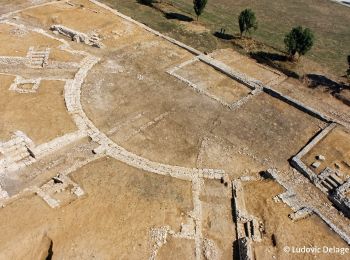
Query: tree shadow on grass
point(269, 56)
point(316, 81)
point(145, 3)
point(177, 16)
point(224, 36)
point(271, 59)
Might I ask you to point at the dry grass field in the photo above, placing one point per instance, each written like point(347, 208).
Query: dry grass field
point(329, 21)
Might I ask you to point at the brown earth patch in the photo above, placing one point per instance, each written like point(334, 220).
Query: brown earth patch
point(41, 115)
point(308, 232)
point(112, 221)
point(336, 149)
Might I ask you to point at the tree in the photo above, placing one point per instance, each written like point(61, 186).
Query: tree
point(198, 6)
point(146, 2)
point(298, 42)
point(247, 21)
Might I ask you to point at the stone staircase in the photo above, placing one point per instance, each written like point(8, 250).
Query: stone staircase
point(38, 58)
point(251, 229)
point(329, 180)
point(15, 152)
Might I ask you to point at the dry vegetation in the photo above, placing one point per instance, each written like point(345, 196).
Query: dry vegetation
point(327, 19)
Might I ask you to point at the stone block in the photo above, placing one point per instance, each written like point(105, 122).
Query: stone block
point(316, 164)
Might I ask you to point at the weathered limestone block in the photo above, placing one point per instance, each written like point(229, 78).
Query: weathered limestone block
point(78, 191)
point(300, 214)
point(316, 164)
point(76, 36)
point(19, 81)
point(3, 194)
point(320, 157)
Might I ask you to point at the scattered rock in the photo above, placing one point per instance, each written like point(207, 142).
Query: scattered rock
point(320, 157)
point(316, 164)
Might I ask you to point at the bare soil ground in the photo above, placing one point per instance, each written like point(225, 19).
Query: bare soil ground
point(214, 82)
point(41, 115)
point(126, 204)
point(335, 147)
point(218, 220)
point(114, 121)
point(169, 125)
point(246, 65)
point(177, 249)
point(19, 45)
point(14, 5)
point(260, 203)
point(319, 97)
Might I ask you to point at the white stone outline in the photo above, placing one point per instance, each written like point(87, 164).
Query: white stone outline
point(106, 144)
point(232, 106)
point(20, 81)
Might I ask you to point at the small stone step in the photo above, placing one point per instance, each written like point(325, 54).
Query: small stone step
point(14, 147)
point(331, 183)
point(39, 53)
point(336, 179)
point(326, 185)
point(19, 155)
point(17, 158)
point(38, 58)
point(12, 142)
point(37, 63)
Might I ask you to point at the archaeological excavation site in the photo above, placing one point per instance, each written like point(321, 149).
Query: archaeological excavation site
point(121, 142)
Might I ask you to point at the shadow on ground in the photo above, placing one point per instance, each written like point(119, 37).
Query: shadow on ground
point(177, 16)
point(144, 3)
point(340, 90)
point(317, 81)
point(269, 56)
point(272, 59)
point(224, 36)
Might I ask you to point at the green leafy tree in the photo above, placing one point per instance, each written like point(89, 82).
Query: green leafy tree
point(146, 2)
point(247, 21)
point(299, 41)
point(198, 6)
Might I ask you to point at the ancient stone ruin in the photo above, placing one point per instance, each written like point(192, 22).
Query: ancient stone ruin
point(165, 169)
point(249, 229)
point(79, 37)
